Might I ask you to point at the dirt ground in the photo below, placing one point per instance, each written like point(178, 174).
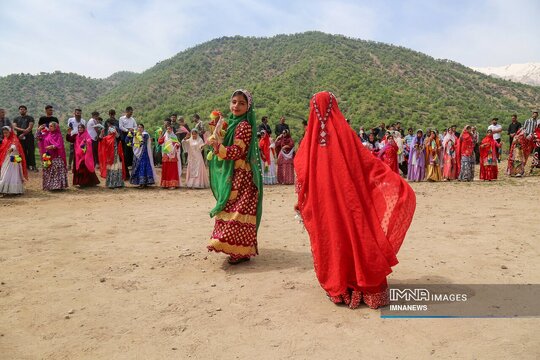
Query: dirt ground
point(124, 274)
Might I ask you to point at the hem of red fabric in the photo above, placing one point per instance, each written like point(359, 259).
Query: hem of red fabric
point(353, 299)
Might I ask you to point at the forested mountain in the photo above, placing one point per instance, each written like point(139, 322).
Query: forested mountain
point(373, 81)
point(64, 91)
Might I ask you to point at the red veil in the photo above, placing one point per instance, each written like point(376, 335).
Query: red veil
point(355, 209)
point(464, 146)
point(6, 144)
point(264, 146)
point(106, 154)
point(484, 150)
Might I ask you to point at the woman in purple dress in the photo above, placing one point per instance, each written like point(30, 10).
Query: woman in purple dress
point(417, 158)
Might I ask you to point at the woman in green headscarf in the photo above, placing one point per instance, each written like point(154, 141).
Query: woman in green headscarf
point(236, 182)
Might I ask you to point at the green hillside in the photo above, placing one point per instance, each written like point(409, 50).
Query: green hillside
point(374, 82)
point(64, 91)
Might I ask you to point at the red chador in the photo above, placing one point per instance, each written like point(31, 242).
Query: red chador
point(488, 158)
point(355, 209)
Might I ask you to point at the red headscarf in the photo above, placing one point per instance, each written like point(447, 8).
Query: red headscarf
point(264, 146)
point(83, 150)
point(355, 209)
point(106, 154)
point(389, 155)
point(12, 139)
point(464, 146)
point(488, 143)
point(284, 141)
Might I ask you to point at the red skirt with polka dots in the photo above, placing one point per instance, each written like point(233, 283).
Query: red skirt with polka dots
point(235, 231)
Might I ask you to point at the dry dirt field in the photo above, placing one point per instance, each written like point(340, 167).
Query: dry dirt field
point(124, 274)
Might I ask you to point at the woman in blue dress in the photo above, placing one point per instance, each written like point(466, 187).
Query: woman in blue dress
point(143, 172)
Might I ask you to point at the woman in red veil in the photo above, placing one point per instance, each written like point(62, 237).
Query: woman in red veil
point(355, 209)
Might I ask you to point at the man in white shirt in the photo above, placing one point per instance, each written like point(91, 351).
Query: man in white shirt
point(73, 123)
point(127, 124)
point(496, 129)
point(93, 127)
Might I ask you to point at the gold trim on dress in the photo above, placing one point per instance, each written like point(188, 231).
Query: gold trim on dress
point(240, 143)
point(222, 153)
point(232, 249)
point(236, 216)
point(242, 164)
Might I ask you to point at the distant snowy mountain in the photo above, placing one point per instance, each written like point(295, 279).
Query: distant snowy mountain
point(524, 73)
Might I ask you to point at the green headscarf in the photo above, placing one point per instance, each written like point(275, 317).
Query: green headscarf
point(221, 171)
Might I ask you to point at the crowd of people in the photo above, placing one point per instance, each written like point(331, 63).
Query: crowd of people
point(452, 155)
point(121, 151)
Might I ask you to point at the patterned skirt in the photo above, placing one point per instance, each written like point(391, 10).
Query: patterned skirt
point(536, 158)
point(488, 172)
point(285, 171)
point(142, 173)
point(467, 168)
point(115, 177)
point(235, 231)
point(55, 176)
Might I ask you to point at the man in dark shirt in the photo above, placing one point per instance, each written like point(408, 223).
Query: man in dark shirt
point(4, 121)
point(264, 125)
point(513, 128)
point(281, 126)
point(24, 124)
point(380, 131)
point(174, 122)
point(112, 121)
point(456, 133)
point(45, 120)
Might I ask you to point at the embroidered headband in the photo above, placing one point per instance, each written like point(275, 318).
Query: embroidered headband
point(248, 96)
point(323, 120)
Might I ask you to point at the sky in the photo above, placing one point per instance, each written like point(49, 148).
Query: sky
point(99, 37)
